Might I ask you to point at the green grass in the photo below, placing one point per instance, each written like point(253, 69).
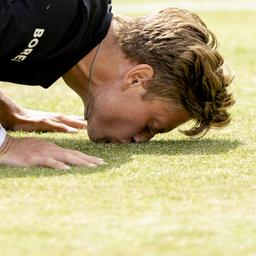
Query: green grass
point(170, 197)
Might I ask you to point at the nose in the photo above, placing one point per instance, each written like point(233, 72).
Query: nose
point(115, 141)
point(126, 141)
point(139, 138)
point(102, 141)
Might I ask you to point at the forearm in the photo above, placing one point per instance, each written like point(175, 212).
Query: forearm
point(8, 111)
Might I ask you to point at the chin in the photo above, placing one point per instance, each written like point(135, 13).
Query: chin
point(90, 132)
point(93, 136)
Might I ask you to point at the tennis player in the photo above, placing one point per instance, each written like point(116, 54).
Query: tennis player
point(136, 76)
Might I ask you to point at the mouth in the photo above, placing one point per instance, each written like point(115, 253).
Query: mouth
point(115, 141)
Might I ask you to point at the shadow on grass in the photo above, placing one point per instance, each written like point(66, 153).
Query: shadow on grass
point(118, 155)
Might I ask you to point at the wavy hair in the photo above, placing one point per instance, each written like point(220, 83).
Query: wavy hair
point(188, 69)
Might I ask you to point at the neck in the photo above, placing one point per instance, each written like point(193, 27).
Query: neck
point(78, 77)
point(90, 82)
point(110, 66)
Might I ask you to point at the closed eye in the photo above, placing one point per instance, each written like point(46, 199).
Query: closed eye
point(161, 131)
point(157, 130)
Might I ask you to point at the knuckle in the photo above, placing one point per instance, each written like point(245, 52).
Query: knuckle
point(43, 120)
point(65, 156)
point(48, 161)
point(77, 152)
point(32, 161)
point(61, 117)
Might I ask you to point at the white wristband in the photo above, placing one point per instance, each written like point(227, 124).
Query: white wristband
point(3, 134)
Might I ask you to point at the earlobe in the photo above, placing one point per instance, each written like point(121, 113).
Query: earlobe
point(139, 75)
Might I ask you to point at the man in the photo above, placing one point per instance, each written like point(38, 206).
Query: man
point(136, 76)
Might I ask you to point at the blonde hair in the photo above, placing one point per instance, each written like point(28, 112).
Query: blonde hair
point(188, 68)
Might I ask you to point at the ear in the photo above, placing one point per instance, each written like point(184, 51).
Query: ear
point(138, 76)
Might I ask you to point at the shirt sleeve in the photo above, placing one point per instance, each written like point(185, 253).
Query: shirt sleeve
point(41, 40)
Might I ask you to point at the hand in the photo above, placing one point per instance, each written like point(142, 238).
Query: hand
point(30, 152)
point(14, 117)
point(32, 120)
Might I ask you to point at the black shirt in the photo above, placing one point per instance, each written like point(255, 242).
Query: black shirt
point(40, 40)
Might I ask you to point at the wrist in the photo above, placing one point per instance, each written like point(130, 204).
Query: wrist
point(10, 112)
point(5, 141)
point(3, 135)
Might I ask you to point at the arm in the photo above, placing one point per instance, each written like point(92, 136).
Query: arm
point(14, 117)
point(9, 111)
point(29, 152)
point(3, 135)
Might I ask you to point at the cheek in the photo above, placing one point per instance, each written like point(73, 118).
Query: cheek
point(116, 113)
point(124, 129)
point(116, 119)
point(105, 117)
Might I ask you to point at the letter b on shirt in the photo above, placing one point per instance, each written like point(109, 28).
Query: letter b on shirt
point(38, 32)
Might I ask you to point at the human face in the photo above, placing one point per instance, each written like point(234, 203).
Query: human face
point(126, 117)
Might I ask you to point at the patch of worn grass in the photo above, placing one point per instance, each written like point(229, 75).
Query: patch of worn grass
point(172, 196)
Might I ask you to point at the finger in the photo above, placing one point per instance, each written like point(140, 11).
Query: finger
point(74, 122)
point(50, 125)
point(76, 117)
point(52, 163)
point(71, 159)
point(91, 159)
point(44, 125)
